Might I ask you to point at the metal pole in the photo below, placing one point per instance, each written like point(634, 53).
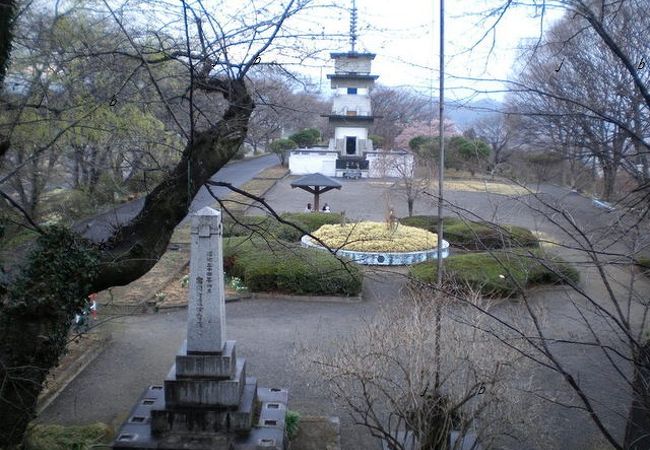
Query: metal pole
point(441, 173)
point(441, 137)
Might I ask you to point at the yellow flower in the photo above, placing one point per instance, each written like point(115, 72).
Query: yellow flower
point(376, 237)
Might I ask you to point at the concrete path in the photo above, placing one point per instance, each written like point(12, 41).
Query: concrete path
point(99, 227)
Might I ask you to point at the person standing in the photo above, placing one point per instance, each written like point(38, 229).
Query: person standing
point(326, 208)
point(308, 208)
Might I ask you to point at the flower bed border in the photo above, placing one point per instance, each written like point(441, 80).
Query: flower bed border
point(383, 258)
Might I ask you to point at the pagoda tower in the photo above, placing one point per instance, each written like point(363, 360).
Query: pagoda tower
point(351, 114)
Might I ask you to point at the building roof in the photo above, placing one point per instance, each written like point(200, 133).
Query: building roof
point(316, 179)
point(353, 55)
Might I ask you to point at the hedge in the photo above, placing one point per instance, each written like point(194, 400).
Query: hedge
point(499, 273)
point(475, 235)
point(269, 227)
point(271, 266)
point(262, 226)
point(313, 221)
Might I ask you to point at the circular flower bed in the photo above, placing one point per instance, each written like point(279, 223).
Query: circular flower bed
point(376, 243)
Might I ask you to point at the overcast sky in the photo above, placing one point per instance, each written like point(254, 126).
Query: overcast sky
point(405, 36)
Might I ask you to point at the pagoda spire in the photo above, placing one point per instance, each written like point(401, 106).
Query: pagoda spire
point(353, 25)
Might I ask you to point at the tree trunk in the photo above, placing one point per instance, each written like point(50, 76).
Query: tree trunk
point(28, 351)
point(32, 340)
point(609, 180)
point(410, 202)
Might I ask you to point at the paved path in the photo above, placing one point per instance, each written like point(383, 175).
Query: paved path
point(269, 331)
point(99, 227)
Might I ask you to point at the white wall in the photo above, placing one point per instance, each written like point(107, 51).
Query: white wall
point(342, 132)
point(359, 103)
point(303, 163)
point(344, 91)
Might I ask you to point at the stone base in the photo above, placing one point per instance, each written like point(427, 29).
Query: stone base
point(207, 365)
point(197, 420)
point(267, 433)
point(205, 392)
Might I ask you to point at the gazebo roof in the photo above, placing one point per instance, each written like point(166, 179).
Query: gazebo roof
point(316, 179)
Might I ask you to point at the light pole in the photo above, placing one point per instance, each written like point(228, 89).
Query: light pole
point(441, 174)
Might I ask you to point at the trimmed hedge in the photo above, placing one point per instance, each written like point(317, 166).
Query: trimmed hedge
point(262, 226)
point(474, 235)
point(267, 227)
point(272, 266)
point(313, 221)
point(499, 273)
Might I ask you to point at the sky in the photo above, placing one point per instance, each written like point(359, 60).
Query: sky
point(405, 37)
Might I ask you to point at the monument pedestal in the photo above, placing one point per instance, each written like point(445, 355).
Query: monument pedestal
point(207, 402)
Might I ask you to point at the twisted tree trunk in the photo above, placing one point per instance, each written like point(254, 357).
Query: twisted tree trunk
point(37, 307)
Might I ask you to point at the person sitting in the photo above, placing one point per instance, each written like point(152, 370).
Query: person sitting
point(308, 208)
point(326, 208)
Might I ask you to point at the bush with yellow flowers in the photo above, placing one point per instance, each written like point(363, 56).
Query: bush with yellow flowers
point(376, 237)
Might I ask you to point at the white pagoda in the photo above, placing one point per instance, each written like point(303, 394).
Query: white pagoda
point(350, 153)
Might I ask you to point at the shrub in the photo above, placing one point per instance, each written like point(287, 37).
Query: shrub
point(498, 274)
point(291, 423)
point(273, 266)
point(313, 221)
point(263, 226)
point(281, 148)
point(376, 237)
point(474, 235)
point(306, 138)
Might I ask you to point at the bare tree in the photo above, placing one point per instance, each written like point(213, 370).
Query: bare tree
point(494, 130)
point(383, 376)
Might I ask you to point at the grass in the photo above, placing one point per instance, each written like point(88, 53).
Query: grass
point(57, 437)
point(490, 187)
point(258, 186)
point(475, 235)
point(499, 274)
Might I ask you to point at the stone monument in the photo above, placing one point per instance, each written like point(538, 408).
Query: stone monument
point(207, 402)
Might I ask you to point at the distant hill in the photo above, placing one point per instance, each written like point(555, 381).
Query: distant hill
point(464, 114)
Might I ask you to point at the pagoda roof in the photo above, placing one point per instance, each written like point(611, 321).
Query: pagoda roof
point(352, 76)
point(346, 118)
point(353, 55)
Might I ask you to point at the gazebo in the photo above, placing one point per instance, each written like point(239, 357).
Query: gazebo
point(316, 183)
